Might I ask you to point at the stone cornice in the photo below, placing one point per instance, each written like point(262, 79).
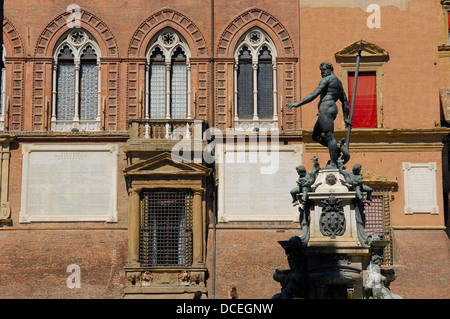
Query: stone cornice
point(386, 140)
point(444, 51)
point(30, 136)
point(7, 139)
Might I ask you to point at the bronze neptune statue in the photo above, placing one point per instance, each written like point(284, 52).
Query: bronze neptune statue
point(330, 90)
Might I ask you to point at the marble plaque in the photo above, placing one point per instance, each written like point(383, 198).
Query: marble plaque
point(420, 188)
point(255, 186)
point(69, 183)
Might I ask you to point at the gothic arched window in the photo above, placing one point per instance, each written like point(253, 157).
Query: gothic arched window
point(255, 94)
point(76, 78)
point(168, 77)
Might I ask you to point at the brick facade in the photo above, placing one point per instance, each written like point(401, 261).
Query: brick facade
point(34, 256)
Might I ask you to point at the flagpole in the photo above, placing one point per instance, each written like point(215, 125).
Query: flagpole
point(355, 83)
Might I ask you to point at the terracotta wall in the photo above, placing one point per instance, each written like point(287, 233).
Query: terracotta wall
point(410, 75)
point(314, 33)
point(305, 35)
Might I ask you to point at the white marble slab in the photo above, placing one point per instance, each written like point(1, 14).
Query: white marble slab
point(255, 183)
point(69, 183)
point(420, 188)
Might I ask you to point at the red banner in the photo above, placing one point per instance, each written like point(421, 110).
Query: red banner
point(365, 113)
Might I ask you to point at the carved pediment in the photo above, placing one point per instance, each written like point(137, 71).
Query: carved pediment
point(369, 53)
point(166, 164)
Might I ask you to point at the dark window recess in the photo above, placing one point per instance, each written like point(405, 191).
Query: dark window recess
point(245, 85)
point(166, 228)
point(377, 221)
point(265, 84)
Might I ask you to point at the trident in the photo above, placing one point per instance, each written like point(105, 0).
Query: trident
point(355, 83)
point(346, 149)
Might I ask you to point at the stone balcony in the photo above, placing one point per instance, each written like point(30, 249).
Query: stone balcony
point(184, 137)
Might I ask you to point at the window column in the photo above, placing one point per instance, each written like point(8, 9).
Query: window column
point(76, 116)
point(197, 210)
point(99, 91)
point(147, 90)
point(188, 69)
point(147, 99)
point(54, 92)
point(275, 91)
point(168, 92)
point(255, 90)
point(236, 67)
point(133, 227)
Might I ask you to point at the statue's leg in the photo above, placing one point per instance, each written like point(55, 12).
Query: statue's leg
point(305, 193)
point(327, 115)
point(358, 192)
point(332, 148)
point(369, 192)
point(317, 134)
point(294, 192)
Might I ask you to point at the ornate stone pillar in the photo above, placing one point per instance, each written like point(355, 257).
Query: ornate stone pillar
point(255, 90)
point(168, 92)
point(54, 93)
point(236, 68)
point(76, 116)
point(147, 90)
point(188, 68)
point(275, 91)
point(5, 209)
point(99, 91)
point(147, 99)
point(133, 227)
point(197, 227)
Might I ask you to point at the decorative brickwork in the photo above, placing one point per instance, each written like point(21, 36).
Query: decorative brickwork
point(160, 20)
point(51, 33)
point(112, 105)
point(12, 39)
point(248, 19)
point(286, 63)
point(168, 18)
point(42, 69)
point(14, 89)
point(42, 75)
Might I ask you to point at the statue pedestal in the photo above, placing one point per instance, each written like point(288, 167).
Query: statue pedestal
point(333, 227)
point(330, 257)
point(333, 214)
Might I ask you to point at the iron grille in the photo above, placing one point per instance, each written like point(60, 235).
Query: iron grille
point(166, 228)
point(377, 221)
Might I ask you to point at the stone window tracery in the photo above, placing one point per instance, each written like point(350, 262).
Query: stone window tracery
point(255, 82)
point(76, 83)
point(168, 78)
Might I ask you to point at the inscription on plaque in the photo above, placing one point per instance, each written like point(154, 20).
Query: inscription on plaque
point(69, 183)
point(251, 191)
point(420, 188)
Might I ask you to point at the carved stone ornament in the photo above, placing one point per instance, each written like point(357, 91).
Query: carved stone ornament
point(332, 220)
point(184, 277)
point(147, 278)
point(331, 179)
